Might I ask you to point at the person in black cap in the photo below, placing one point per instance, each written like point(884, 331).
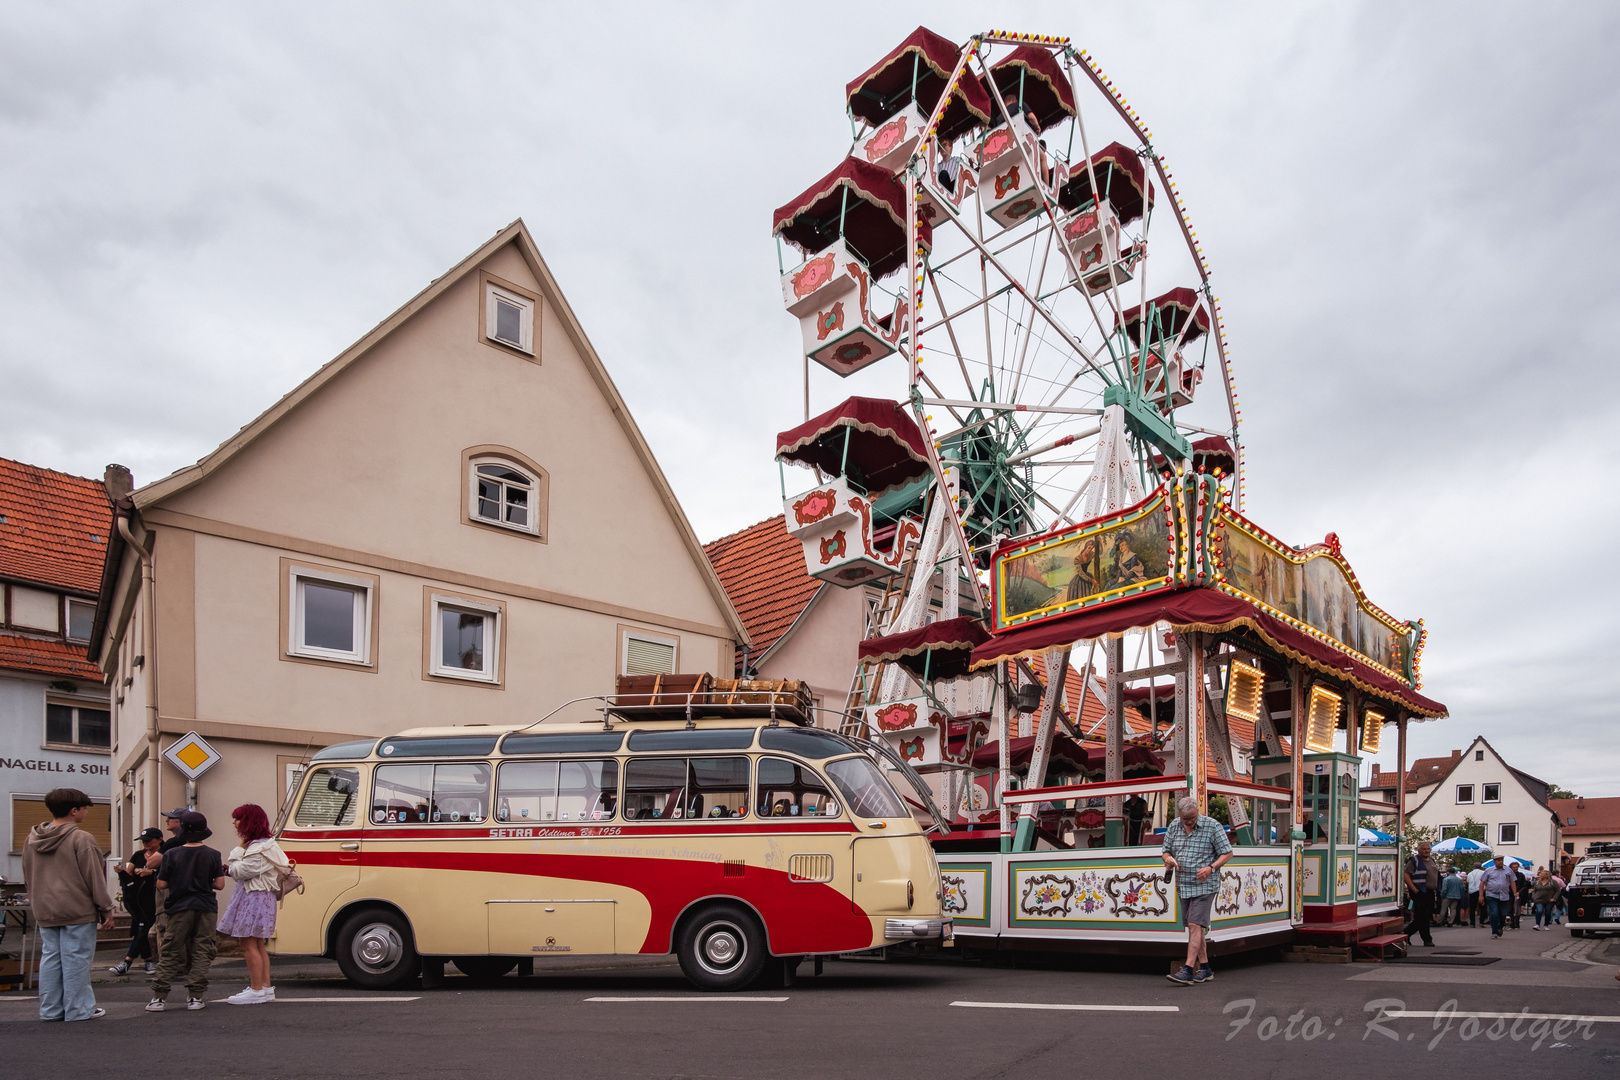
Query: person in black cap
point(191, 873)
point(140, 900)
point(160, 929)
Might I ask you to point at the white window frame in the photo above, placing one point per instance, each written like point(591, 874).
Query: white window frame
point(1501, 833)
point(1462, 801)
point(1448, 831)
point(533, 527)
point(492, 638)
point(1485, 793)
point(494, 294)
point(73, 744)
point(657, 639)
point(361, 655)
point(67, 616)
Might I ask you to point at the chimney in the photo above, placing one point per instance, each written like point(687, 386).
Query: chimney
point(118, 482)
point(1455, 754)
point(1580, 803)
point(1375, 774)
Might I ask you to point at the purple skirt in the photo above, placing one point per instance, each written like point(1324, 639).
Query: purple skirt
point(249, 914)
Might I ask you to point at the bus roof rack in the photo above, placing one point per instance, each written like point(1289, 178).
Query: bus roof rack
point(694, 697)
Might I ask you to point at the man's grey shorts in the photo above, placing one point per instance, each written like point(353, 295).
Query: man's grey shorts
point(1196, 909)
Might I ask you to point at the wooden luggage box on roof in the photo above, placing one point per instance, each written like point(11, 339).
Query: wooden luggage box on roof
point(682, 697)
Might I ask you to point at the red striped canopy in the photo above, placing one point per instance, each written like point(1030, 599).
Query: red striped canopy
point(886, 448)
point(940, 650)
point(1046, 87)
point(1121, 177)
point(1173, 309)
point(874, 218)
point(886, 86)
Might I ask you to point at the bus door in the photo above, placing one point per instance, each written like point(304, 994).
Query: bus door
point(323, 838)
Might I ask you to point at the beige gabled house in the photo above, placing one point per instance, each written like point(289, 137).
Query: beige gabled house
point(456, 521)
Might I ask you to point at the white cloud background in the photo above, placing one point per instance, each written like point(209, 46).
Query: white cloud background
point(1410, 212)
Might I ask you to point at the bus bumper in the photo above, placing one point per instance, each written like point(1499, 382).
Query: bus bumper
point(917, 929)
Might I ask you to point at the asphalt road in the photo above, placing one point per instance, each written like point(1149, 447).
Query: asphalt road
point(987, 1017)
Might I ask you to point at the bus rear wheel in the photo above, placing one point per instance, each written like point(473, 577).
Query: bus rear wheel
point(722, 948)
point(376, 950)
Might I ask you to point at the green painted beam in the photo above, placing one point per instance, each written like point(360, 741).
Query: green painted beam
point(1144, 420)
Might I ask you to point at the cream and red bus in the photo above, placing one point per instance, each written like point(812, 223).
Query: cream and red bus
point(724, 840)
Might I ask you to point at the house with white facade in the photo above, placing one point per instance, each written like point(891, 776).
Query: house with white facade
point(1480, 784)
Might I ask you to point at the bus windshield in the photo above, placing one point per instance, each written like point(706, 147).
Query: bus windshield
point(865, 790)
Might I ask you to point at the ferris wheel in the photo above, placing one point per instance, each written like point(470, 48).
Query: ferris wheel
point(1005, 245)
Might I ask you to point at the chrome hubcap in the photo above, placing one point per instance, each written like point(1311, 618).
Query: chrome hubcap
point(377, 948)
point(722, 947)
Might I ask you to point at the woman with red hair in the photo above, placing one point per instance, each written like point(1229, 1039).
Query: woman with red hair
point(256, 866)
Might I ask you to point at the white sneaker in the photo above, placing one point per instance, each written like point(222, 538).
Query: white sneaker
point(247, 996)
point(193, 1004)
point(267, 994)
point(156, 1005)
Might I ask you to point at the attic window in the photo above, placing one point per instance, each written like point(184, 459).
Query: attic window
point(1479, 755)
point(509, 318)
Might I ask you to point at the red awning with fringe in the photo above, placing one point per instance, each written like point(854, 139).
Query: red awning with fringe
point(886, 86)
point(1174, 308)
point(1046, 88)
point(886, 448)
point(874, 219)
point(942, 649)
point(1209, 453)
point(1214, 611)
point(1121, 178)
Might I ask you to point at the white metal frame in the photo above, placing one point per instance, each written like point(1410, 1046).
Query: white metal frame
point(474, 478)
point(298, 576)
point(490, 671)
point(494, 296)
point(674, 644)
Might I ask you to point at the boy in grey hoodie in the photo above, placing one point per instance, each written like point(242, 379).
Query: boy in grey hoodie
point(67, 889)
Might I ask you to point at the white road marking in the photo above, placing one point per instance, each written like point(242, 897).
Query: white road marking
point(1413, 1014)
point(321, 1000)
point(701, 997)
point(1067, 1008)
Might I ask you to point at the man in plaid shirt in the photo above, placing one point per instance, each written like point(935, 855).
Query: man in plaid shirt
point(1195, 848)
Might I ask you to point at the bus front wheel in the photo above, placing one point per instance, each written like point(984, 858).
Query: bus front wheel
point(376, 950)
point(722, 948)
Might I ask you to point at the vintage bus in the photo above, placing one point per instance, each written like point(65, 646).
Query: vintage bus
point(725, 840)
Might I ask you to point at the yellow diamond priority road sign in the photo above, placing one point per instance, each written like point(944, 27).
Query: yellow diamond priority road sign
point(191, 755)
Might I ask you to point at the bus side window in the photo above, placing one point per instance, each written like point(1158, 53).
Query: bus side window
point(717, 787)
point(461, 792)
point(788, 789)
point(400, 794)
point(527, 791)
point(329, 799)
point(655, 788)
point(588, 790)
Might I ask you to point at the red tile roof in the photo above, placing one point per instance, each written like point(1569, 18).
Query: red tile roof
point(1593, 817)
point(1424, 771)
point(762, 569)
point(47, 657)
point(53, 527)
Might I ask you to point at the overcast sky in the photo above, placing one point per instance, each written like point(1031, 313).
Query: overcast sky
point(1409, 211)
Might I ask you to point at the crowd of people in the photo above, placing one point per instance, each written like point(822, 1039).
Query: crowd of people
point(170, 888)
point(1497, 894)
